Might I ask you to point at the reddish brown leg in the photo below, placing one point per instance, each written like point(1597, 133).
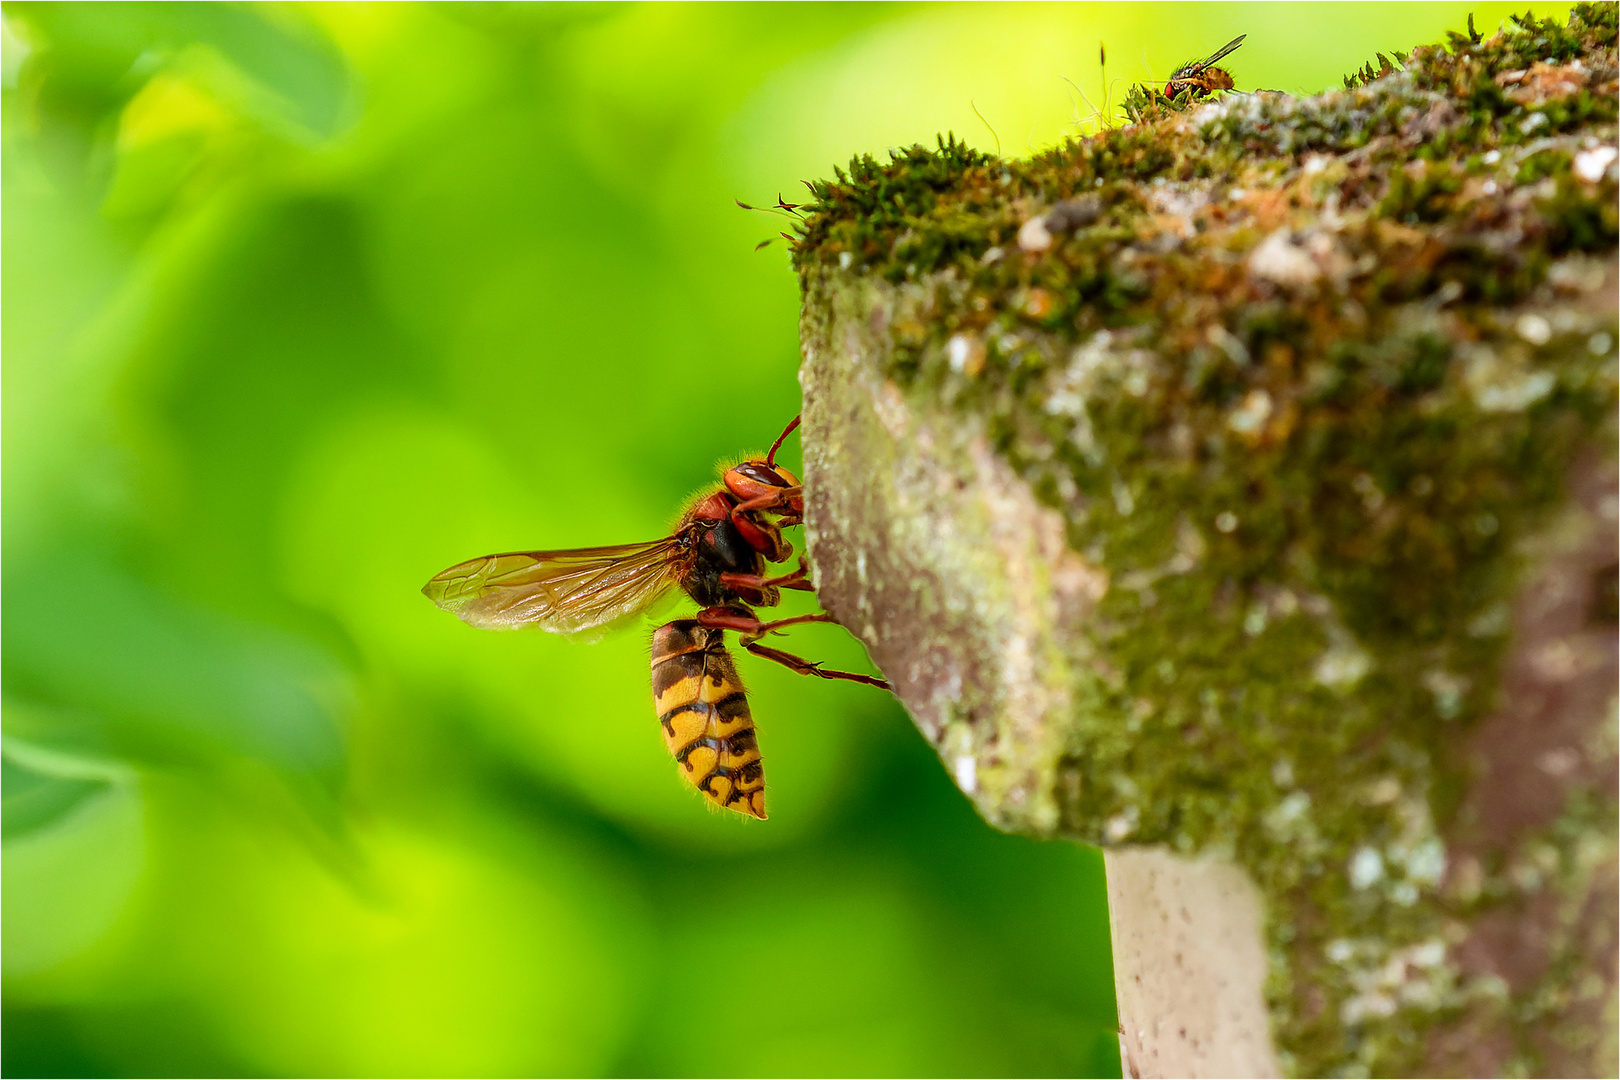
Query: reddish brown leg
point(798, 579)
point(764, 537)
point(752, 629)
point(769, 501)
point(748, 624)
point(770, 458)
point(806, 667)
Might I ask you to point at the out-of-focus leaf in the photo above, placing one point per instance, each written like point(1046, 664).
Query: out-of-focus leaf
point(133, 674)
point(101, 53)
point(75, 848)
point(33, 800)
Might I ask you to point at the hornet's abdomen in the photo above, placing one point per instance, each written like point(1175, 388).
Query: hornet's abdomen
point(705, 716)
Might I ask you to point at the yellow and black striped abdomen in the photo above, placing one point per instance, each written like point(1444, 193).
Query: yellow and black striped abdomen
point(704, 713)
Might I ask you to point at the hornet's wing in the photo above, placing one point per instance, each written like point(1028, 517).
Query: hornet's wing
point(565, 592)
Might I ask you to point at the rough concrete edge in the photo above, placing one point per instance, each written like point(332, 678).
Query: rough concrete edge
point(1003, 579)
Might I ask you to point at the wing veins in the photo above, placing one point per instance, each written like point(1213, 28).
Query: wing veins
point(565, 592)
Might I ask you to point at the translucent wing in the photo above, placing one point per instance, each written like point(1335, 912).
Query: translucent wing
point(1198, 67)
point(565, 592)
point(1224, 50)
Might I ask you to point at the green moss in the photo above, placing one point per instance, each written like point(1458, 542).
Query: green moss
point(1306, 482)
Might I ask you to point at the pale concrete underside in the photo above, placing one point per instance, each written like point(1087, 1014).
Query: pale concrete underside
point(1189, 967)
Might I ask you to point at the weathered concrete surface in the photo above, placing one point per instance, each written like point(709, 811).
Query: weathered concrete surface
point(1187, 945)
point(1264, 513)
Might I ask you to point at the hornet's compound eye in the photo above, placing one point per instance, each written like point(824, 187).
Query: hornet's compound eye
point(761, 473)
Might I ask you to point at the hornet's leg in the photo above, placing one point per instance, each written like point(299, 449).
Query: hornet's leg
point(748, 624)
point(768, 501)
point(806, 667)
point(770, 458)
point(774, 501)
point(798, 579)
point(764, 537)
point(752, 629)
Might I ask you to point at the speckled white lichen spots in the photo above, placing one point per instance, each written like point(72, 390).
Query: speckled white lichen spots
point(1250, 417)
point(956, 736)
point(1590, 165)
point(1190, 548)
point(965, 353)
point(1119, 827)
point(1534, 328)
point(1033, 235)
point(1448, 690)
point(1503, 383)
point(1536, 863)
point(1428, 954)
point(1226, 521)
point(1282, 259)
point(966, 770)
point(1366, 868)
point(1075, 380)
point(1426, 864)
point(1371, 496)
point(1290, 811)
point(1342, 666)
point(1370, 1006)
point(1229, 343)
point(1383, 791)
point(1123, 502)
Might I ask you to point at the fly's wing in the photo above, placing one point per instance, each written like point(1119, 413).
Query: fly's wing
point(1224, 50)
point(1219, 55)
point(1198, 67)
point(565, 592)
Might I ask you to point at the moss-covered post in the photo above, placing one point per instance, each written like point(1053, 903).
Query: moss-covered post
point(1236, 490)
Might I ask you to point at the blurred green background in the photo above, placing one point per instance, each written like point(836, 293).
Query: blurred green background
point(303, 304)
